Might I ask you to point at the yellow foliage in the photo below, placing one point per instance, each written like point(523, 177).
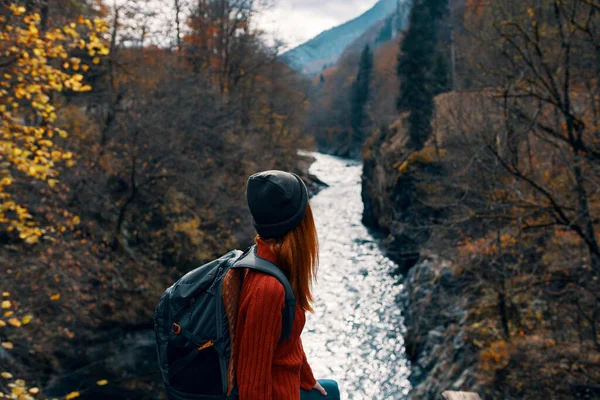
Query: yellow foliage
point(35, 66)
point(495, 357)
point(190, 229)
point(427, 155)
point(18, 389)
point(507, 240)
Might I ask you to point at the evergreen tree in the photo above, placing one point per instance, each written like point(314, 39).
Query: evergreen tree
point(421, 71)
point(441, 81)
point(360, 98)
point(438, 9)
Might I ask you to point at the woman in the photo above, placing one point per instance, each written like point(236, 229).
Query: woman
point(267, 368)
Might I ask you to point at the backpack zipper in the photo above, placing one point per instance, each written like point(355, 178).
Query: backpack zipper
point(216, 280)
point(180, 313)
point(219, 306)
point(192, 302)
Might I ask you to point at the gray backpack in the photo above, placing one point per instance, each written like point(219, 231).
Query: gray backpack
point(195, 323)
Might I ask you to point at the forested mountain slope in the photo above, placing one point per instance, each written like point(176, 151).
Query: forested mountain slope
point(327, 47)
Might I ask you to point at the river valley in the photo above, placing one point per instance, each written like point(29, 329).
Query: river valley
point(354, 336)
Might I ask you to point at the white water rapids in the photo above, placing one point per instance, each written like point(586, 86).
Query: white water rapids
point(355, 333)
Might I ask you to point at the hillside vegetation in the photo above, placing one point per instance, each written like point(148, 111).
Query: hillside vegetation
point(333, 98)
point(487, 187)
point(123, 161)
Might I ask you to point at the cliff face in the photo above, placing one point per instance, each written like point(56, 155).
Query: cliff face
point(398, 191)
point(392, 193)
point(488, 301)
point(436, 340)
point(411, 195)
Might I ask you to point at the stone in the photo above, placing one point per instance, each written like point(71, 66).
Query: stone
point(435, 336)
point(447, 278)
point(459, 340)
point(461, 380)
point(460, 396)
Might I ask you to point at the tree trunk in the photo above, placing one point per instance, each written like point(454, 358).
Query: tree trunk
point(178, 23)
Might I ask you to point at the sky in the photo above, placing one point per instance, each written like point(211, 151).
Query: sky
point(293, 22)
point(296, 21)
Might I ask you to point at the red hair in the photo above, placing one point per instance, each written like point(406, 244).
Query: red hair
point(297, 254)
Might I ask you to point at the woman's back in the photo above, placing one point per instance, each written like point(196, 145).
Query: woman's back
point(266, 368)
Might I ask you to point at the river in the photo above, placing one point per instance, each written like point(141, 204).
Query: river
point(355, 334)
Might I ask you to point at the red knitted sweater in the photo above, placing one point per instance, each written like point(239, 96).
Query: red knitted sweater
point(265, 368)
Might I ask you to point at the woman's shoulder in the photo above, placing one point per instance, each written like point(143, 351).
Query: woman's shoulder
point(260, 284)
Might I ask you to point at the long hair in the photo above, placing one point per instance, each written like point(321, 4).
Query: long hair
point(297, 254)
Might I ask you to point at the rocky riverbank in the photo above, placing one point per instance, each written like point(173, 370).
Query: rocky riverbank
point(492, 305)
point(313, 183)
point(434, 309)
point(436, 337)
point(392, 195)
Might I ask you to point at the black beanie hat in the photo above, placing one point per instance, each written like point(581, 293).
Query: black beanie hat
point(277, 201)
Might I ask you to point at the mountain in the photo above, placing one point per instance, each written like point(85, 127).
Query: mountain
point(326, 48)
point(379, 33)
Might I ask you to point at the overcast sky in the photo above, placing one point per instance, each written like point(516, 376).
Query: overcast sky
point(296, 21)
point(291, 21)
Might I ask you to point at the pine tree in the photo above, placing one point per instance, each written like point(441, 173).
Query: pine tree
point(420, 71)
point(360, 98)
point(438, 9)
point(441, 80)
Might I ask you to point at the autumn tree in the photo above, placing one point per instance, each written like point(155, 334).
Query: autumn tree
point(558, 81)
point(518, 190)
point(330, 108)
point(220, 39)
point(161, 139)
point(170, 125)
point(35, 65)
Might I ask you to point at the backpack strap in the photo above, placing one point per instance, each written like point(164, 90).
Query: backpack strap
point(251, 260)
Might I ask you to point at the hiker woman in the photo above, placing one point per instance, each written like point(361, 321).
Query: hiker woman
point(267, 368)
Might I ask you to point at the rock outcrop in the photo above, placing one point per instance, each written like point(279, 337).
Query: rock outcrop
point(393, 199)
point(402, 202)
point(436, 319)
point(313, 183)
point(487, 304)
